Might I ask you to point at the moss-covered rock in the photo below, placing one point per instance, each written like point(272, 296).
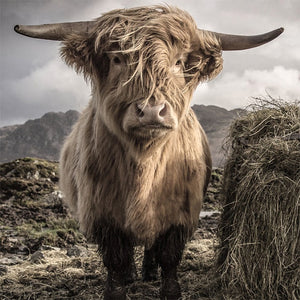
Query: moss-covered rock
point(32, 212)
point(28, 178)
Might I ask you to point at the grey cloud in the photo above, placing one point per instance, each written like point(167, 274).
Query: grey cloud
point(22, 58)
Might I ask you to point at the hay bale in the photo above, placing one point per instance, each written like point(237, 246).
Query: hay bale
point(259, 255)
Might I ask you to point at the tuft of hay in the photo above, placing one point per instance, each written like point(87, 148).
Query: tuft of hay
point(259, 255)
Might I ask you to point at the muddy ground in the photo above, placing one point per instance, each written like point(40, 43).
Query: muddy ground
point(44, 256)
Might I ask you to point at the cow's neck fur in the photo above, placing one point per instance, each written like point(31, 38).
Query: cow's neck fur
point(142, 178)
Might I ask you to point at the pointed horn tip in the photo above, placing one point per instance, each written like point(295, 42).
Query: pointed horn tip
point(17, 28)
point(278, 32)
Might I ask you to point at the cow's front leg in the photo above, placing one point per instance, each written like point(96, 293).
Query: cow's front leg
point(150, 265)
point(169, 249)
point(117, 252)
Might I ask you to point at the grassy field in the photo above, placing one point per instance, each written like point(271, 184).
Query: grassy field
point(44, 256)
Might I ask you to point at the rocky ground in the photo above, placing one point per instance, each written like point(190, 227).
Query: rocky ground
point(44, 256)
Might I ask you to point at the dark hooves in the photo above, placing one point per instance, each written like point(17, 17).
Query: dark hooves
point(170, 290)
point(116, 293)
point(115, 287)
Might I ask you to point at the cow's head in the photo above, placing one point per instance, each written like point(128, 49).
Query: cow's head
point(144, 64)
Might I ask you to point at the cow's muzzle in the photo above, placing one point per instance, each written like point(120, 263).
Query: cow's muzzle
point(148, 117)
point(152, 113)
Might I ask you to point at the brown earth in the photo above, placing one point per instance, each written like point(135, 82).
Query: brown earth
point(44, 256)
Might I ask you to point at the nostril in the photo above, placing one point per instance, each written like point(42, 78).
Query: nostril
point(163, 111)
point(139, 112)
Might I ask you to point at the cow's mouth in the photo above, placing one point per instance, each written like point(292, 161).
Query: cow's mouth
point(150, 130)
point(155, 126)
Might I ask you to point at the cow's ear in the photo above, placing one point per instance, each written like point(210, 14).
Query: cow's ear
point(211, 66)
point(210, 52)
point(78, 51)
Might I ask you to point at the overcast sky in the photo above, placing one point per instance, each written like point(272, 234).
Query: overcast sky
point(34, 80)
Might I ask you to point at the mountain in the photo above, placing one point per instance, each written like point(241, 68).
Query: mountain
point(43, 137)
point(216, 122)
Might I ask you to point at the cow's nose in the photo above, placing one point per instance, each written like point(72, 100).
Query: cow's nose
point(151, 113)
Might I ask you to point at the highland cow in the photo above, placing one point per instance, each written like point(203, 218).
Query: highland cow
point(135, 168)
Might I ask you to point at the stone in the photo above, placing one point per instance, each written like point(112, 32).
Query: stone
point(37, 257)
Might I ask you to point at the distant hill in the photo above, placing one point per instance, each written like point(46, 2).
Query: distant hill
point(44, 137)
point(41, 138)
point(215, 122)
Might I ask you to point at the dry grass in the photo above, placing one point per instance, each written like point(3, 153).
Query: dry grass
point(260, 234)
point(58, 276)
point(44, 256)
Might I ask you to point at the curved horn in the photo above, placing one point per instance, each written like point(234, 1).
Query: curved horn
point(55, 32)
point(241, 42)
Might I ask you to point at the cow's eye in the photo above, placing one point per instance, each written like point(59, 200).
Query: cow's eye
point(116, 60)
point(178, 63)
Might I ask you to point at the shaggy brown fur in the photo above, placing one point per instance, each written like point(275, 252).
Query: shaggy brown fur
point(142, 181)
point(132, 179)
